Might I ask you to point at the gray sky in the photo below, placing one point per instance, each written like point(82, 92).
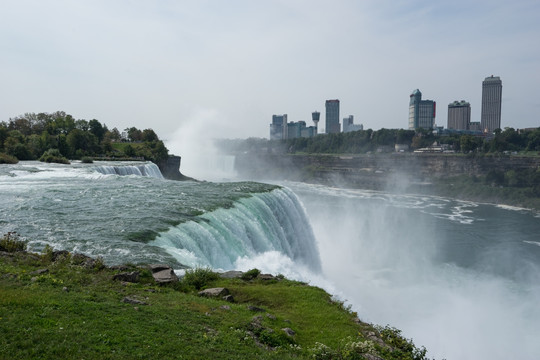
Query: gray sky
point(222, 68)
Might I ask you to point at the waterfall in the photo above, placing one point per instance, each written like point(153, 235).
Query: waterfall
point(146, 169)
point(263, 222)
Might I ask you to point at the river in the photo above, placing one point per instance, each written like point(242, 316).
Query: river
point(460, 278)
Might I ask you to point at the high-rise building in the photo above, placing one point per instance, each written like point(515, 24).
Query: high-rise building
point(459, 115)
point(421, 112)
point(332, 117)
point(278, 127)
point(348, 125)
point(491, 104)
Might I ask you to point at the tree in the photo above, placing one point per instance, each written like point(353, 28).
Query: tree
point(134, 134)
point(82, 125)
point(97, 129)
point(80, 140)
point(4, 133)
point(149, 135)
point(21, 124)
point(15, 145)
point(113, 135)
point(467, 143)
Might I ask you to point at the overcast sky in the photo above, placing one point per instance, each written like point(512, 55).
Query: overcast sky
point(224, 67)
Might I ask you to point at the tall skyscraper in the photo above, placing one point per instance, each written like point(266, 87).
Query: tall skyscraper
point(459, 115)
point(491, 104)
point(278, 127)
point(332, 117)
point(421, 112)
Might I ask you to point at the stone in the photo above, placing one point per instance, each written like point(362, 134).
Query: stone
point(163, 274)
point(271, 317)
point(225, 307)
point(65, 289)
point(158, 267)
point(130, 300)
point(131, 277)
point(214, 292)
point(85, 261)
point(290, 332)
point(228, 298)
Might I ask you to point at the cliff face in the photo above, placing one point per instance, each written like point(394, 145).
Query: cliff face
point(373, 171)
point(170, 168)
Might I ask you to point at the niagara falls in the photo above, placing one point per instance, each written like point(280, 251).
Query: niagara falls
point(460, 278)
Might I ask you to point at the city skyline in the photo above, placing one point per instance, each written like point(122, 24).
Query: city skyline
point(191, 70)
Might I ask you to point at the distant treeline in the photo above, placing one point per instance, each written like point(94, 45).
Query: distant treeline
point(29, 136)
point(364, 141)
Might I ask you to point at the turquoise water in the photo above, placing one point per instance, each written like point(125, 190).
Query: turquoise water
point(126, 212)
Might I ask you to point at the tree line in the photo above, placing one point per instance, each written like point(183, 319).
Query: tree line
point(365, 141)
point(29, 136)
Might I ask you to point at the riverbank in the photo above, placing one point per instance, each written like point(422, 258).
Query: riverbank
point(59, 304)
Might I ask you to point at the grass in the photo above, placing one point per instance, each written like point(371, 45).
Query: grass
point(74, 311)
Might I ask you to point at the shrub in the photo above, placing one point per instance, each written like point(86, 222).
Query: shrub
point(392, 336)
point(8, 159)
point(87, 160)
point(199, 277)
point(250, 274)
point(53, 156)
point(11, 242)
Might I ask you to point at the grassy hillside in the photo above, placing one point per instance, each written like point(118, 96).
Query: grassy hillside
point(58, 305)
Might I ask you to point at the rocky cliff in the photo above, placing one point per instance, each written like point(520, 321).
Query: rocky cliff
point(376, 171)
point(170, 168)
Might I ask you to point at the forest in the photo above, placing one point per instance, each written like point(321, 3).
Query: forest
point(59, 136)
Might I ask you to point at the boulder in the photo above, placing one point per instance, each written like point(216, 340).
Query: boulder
point(214, 292)
point(228, 298)
point(130, 300)
point(163, 273)
point(158, 267)
point(131, 277)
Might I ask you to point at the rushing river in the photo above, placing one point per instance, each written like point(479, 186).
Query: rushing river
point(461, 278)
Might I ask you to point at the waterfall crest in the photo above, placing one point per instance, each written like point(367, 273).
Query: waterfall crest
point(146, 169)
point(263, 222)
